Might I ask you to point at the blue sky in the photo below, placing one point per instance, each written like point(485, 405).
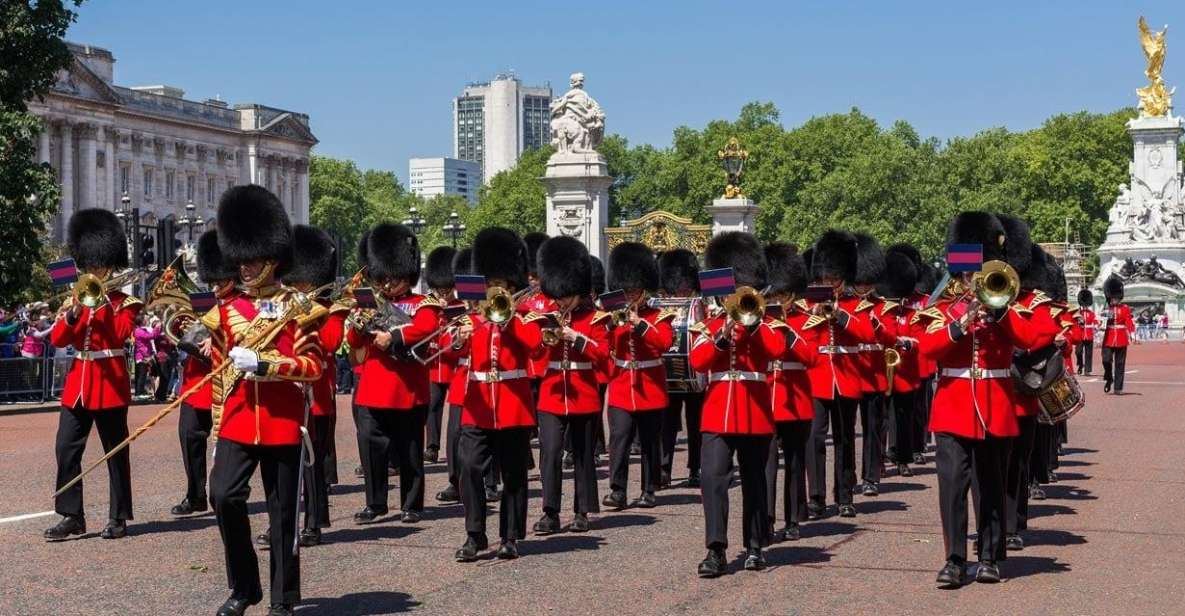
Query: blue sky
point(377, 77)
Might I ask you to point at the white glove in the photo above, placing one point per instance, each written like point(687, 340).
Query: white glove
point(244, 359)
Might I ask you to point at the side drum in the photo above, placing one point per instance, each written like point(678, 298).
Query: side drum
point(1061, 400)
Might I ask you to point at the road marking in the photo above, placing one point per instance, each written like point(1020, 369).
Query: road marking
point(1131, 371)
point(27, 516)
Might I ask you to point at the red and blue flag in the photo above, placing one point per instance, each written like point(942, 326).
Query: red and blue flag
point(63, 272)
point(470, 288)
point(964, 258)
point(717, 282)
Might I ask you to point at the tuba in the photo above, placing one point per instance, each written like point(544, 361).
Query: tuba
point(171, 293)
point(746, 306)
point(996, 285)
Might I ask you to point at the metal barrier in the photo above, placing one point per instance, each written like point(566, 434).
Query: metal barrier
point(34, 379)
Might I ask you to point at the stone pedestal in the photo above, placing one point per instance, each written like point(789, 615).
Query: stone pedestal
point(737, 214)
point(578, 198)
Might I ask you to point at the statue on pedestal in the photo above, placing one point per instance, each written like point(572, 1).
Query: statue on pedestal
point(1155, 100)
point(577, 122)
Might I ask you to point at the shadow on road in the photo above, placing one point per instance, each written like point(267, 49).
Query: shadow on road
point(878, 506)
point(1040, 511)
point(172, 526)
point(1069, 451)
point(560, 543)
point(794, 555)
point(1065, 492)
point(1074, 463)
point(623, 520)
point(889, 487)
point(359, 604)
point(372, 532)
point(1023, 566)
point(827, 529)
point(1052, 537)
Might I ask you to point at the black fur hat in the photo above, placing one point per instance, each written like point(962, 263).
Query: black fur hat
point(1085, 298)
point(1036, 275)
point(979, 228)
point(1018, 248)
point(463, 262)
point(534, 240)
point(901, 272)
point(314, 257)
point(870, 260)
point(211, 267)
point(253, 226)
point(1058, 289)
point(927, 278)
point(499, 253)
point(787, 269)
point(438, 270)
point(95, 239)
point(678, 270)
point(598, 275)
point(390, 252)
point(1113, 288)
point(835, 255)
point(742, 252)
point(564, 268)
point(632, 266)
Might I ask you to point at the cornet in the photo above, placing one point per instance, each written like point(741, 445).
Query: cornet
point(996, 285)
point(499, 305)
point(746, 306)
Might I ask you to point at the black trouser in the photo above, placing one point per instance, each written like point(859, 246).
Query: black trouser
point(1084, 356)
point(363, 450)
point(1114, 365)
point(438, 392)
point(872, 427)
point(601, 444)
point(840, 413)
point(1019, 471)
point(74, 426)
point(979, 465)
point(331, 450)
point(1044, 456)
point(478, 450)
point(142, 372)
point(193, 428)
point(579, 430)
point(165, 371)
point(316, 496)
point(398, 432)
point(453, 454)
point(230, 487)
point(622, 424)
point(904, 409)
point(923, 399)
point(793, 436)
point(682, 404)
point(752, 452)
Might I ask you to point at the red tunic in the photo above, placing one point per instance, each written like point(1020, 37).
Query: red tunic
point(926, 366)
point(637, 374)
point(838, 368)
point(570, 384)
point(737, 400)
point(195, 369)
point(498, 394)
point(1044, 328)
point(1119, 326)
point(392, 383)
point(1074, 333)
point(907, 376)
point(98, 377)
point(330, 335)
point(440, 370)
point(538, 303)
point(1090, 321)
point(790, 387)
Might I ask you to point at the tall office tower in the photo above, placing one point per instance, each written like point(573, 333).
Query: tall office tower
point(495, 121)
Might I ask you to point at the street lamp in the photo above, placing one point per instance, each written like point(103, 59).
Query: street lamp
point(191, 219)
point(414, 221)
point(732, 159)
point(454, 228)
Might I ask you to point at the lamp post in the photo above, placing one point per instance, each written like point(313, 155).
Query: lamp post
point(191, 219)
point(454, 228)
point(732, 159)
point(413, 221)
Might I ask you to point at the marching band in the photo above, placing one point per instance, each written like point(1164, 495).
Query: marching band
point(757, 355)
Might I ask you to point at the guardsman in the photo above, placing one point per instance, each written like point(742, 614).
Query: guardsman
point(927, 279)
point(734, 349)
point(639, 336)
point(499, 411)
point(577, 340)
point(898, 286)
point(598, 287)
point(1070, 321)
point(97, 391)
point(835, 377)
point(195, 422)
point(790, 389)
point(438, 275)
point(1117, 331)
point(679, 279)
point(261, 402)
point(874, 378)
point(534, 300)
point(1088, 321)
point(393, 392)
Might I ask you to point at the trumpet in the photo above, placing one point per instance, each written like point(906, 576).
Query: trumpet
point(551, 335)
point(996, 285)
point(746, 306)
point(91, 291)
point(892, 360)
point(499, 305)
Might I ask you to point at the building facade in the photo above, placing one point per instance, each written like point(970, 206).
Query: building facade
point(495, 121)
point(429, 177)
point(163, 151)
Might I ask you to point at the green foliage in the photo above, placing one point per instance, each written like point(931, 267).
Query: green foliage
point(31, 48)
point(514, 198)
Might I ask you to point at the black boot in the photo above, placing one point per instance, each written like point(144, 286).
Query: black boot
point(263, 540)
point(645, 501)
point(449, 495)
point(115, 529)
point(493, 495)
point(188, 507)
point(310, 537)
point(549, 524)
point(68, 525)
point(508, 550)
point(280, 609)
point(755, 560)
point(1014, 543)
point(693, 479)
point(713, 565)
point(579, 523)
point(952, 576)
point(614, 500)
point(467, 553)
point(987, 573)
point(236, 606)
point(369, 514)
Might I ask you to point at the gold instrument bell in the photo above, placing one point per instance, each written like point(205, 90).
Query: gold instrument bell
point(498, 307)
point(89, 291)
point(746, 306)
point(892, 360)
point(996, 285)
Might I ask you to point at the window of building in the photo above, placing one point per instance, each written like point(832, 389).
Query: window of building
point(189, 188)
point(210, 190)
point(125, 179)
point(148, 176)
point(170, 177)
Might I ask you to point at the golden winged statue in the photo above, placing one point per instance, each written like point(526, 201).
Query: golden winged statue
point(1155, 100)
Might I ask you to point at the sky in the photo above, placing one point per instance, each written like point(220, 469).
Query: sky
point(377, 78)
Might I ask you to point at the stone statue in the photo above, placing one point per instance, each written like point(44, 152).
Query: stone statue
point(577, 122)
point(1155, 100)
point(1155, 221)
point(1150, 270)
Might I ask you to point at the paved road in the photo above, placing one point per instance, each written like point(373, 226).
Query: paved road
point(1110, 540)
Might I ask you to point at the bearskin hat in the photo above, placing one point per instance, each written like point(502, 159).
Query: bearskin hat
point(927, 278)
point(979, 228)
point(253, 226)
point(95, 239)
point(1036, 275)
point(598, 274)
point(564, 268)
point(314, 257)
point(742, 252)
point(1057, 282)
point(438, 269)
point(463, 263)
point(835, 256)
point(534, 240)
point(1018, 247)
point(901, 272)
point(211, 267)
point(390, 252)
point(632, 266)
point(678, 270)
point(787, 269)
point(1085, 298)
point(499, 253)
point(1113, 287)
point(870, 260)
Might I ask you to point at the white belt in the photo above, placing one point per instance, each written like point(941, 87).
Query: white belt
point(636, 364)
point(463, 362)
point(965, 373)
point(872, 347)
point(92, 355)
point(1116, 327)
point(262, 379)
point(786, 365)
point(494, 377)
point(570, 365)
point(736, 375)
point(838, 350)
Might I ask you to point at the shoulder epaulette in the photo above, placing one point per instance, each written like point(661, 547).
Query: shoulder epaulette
point(813, 321)
point(1056, 310)
point(211, 319)
point(600, 315)
point(802, 304)
point(1039, 297)
point(1024, 311)
point(888, 305)
point(665, 313)
point(699, 328)
point(932, 313)
point(130, 300)
point(430, 301)
point(531, 317)
point(935, 325)
point(864, 305)
point(776, 324)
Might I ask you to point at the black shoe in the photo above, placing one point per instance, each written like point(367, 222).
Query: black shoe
point(635, 449)
point(368, 515)
point(467, 553)
point(614, 500)
point(569, 461)
point(1014, 543)
point(713, 565)
point(847, 511)
point(392, 471)
point(185, 507)
point(411, 517)
point(919, 458)
point(263, 540)
point(1036, 493)
point(530, 461)
point(791, 532)
point(549, 524)
point(236, 606)
point(693, 479)
point(664, 480)
point(508, 550)
point(1052, 477)
point(953, 575)
point(579, 524)
point(493, 495)
point(431, 456)
point(115, 529)
point(987, 572)
point(754, 561)
point(310, 537)
point(815, 511)
point(69, 525)
point(358, 472)
point(280, 609)
point(870, 489)
point(600, 461)
point(1106, 386)
point(449, 495)
point(776, 535)
point(645, 501)
point(904, 470)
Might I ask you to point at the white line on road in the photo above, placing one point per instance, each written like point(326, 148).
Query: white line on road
point(27, 516)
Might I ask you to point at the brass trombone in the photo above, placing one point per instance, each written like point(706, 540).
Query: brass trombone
point(892, 360)
point(746, 306)
point(996, 285)
point(499, 304)
point(91, 291)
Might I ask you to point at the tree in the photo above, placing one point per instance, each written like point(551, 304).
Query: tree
point(31, 53)
point(514, 198)
point(337, 203)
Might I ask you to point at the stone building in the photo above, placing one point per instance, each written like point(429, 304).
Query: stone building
point(496, 121)
point(164, 151)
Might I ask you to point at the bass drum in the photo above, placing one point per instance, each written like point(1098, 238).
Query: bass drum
point(1061, 400)
point(688, 311)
